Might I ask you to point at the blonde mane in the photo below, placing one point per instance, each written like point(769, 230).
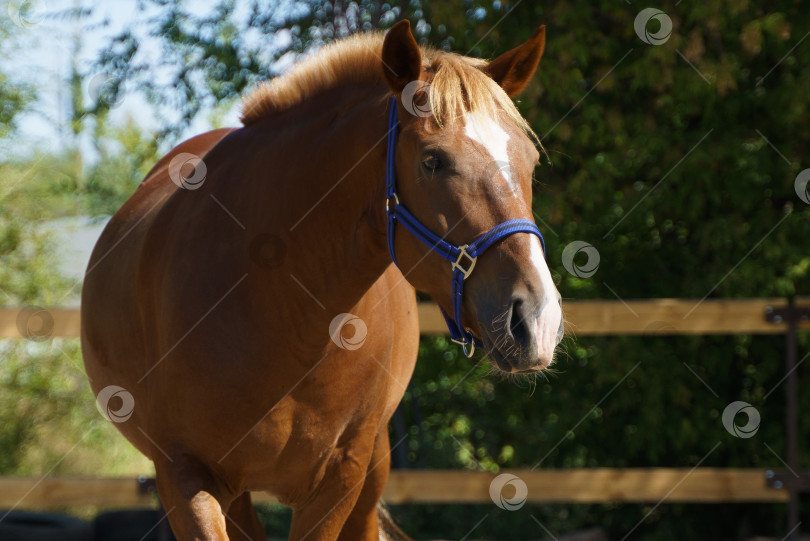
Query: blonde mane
point(459, 85)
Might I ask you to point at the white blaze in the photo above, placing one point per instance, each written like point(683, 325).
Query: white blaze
point(548, 322)
point(493, 138)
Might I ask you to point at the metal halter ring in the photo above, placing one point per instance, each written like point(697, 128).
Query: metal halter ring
point(465, 342)
point(387, 199)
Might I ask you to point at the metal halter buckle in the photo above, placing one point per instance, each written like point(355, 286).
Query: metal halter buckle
point(387, 199)
point(457, 265)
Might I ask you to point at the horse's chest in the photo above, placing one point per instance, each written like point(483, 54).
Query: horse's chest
point(310, 431)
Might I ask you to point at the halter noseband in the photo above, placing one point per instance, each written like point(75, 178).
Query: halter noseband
point(462, 258)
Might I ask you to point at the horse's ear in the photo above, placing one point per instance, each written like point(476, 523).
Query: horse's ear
point(402, 60)
point(513, 69)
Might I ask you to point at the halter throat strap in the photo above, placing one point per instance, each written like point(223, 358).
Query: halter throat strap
point(462, 258)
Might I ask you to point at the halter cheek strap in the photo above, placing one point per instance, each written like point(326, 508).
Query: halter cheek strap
point(462, 258)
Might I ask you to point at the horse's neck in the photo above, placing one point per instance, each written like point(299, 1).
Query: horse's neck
point(326, 198)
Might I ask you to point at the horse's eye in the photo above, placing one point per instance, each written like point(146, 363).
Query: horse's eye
point(432, 163)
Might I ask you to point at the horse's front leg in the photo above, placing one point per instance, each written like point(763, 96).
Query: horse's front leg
point(325, 511)
point(193, 498)
point(362, 522)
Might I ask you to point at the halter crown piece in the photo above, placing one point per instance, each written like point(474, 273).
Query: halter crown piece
point(462, 258)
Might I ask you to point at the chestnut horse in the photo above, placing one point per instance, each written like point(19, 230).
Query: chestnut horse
point(249, 303)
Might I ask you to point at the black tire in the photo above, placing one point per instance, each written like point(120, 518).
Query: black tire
point(131, 525)
point(28, 526)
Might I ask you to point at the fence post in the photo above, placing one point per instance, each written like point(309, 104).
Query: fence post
point(791, 315)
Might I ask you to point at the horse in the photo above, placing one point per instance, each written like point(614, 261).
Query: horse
point(253, 304)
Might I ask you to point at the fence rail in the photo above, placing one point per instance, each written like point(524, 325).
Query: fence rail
point(584, 318)
point(579, 485)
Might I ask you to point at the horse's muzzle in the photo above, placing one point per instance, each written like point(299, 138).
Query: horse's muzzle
point(526, 336)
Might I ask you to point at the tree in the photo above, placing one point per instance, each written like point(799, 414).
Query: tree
point(48, 421)
point(676, 161)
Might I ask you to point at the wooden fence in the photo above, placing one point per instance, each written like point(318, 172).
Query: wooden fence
point(579, 485)
point(584, 318)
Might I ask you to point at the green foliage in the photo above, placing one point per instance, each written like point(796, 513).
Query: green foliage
point(614, 402)
point(658, 157)
point(126, 157)
point(50, 185)
point(13, 99)
point(47, 414)
point(671, 216)
point(49, 419)
point(675, 161)
point(47, 410)
point(15, 96)
point(214, 56)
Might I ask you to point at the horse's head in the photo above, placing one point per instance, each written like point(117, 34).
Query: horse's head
point(464, 162)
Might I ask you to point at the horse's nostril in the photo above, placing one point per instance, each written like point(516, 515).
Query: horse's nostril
point(517, 324)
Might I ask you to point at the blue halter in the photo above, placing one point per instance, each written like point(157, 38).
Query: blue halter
point(462, 258)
